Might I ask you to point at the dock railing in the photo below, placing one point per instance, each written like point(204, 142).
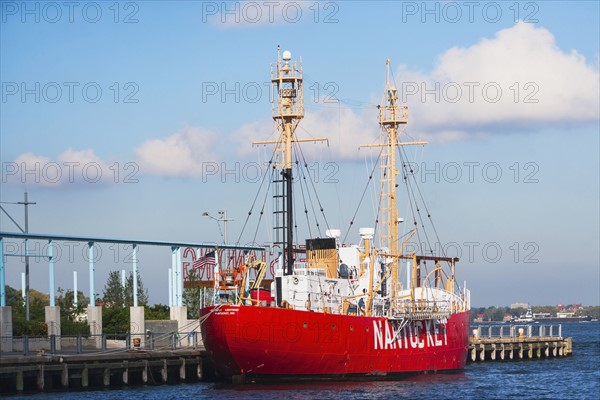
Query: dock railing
point(108, 343)
point(516, 331)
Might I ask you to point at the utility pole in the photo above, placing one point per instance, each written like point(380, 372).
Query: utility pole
point(26, 203)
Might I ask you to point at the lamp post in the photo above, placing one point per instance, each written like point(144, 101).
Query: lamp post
point(222, 218)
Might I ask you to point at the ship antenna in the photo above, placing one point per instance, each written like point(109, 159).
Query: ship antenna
point(387, 73)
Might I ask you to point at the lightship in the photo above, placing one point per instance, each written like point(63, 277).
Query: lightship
point(331, 310)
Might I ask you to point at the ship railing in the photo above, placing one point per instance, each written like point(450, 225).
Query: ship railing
point(304, 271)
point(420, 309)
point(517, 331)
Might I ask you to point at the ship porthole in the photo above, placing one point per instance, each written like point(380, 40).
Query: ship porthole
point(332, 327)
point(306, 324)
point(351, 328)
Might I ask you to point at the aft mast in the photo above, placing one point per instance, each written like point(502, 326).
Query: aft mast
point(288, 109)
point(391, 117)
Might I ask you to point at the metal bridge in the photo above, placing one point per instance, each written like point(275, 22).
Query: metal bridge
point(175, 278)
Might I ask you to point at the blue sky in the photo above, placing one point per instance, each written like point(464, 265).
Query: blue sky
point(163, 98)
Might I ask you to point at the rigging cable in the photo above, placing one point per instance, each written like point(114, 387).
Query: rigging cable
point(256, 197)
point(301, 176)
point(308, 191)
point(363, 195)
point(418, 208)
point(314, 188)
point(262, 210)
point(410, 198)
point(431, 220)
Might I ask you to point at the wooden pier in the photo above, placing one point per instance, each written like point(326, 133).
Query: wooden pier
point(43, 373)
point(518, 342)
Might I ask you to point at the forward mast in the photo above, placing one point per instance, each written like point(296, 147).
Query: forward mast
point(288, 109)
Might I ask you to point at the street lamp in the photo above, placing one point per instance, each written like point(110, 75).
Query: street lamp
point(222, 218)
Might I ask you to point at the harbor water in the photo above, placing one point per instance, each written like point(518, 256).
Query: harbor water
point(575, 377)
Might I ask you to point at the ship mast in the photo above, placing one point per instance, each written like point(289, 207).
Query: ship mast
point(391, 117)
point(288, 109)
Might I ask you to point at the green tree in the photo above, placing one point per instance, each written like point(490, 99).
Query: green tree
point(142, 293)
point(115, 320)
point(192, 296)
point(117, 300)
point(157, 312)
point(65, 300)
point(36, 326)
point(115, 295)
point(592, 311)
point(73, 319)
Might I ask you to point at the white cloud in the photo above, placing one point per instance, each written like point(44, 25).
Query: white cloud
point(539, 84)
point(30, 160)
point(518, 79)
point(179, 154)
point(344, 129)
point(72, 167)
point(81, 157)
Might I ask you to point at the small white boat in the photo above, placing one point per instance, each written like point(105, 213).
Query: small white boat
point(526, 318)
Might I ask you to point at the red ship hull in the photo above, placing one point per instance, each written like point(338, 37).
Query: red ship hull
point(267, 343)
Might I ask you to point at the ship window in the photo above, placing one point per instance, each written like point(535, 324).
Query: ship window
point(332, 327)
point(306, 324)
point(351, 327)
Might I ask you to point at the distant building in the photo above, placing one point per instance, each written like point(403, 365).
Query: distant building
point(478, 318)
point(565, 314)
point(519, 305)
point(507, 317)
